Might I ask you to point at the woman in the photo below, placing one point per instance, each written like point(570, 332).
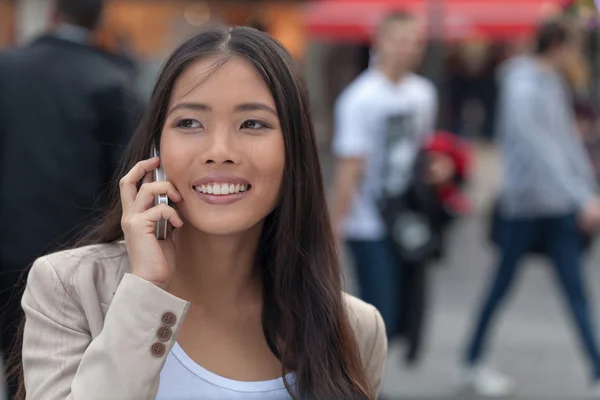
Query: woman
point(243, 299)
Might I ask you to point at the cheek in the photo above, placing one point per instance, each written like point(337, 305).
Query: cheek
point(176, 157)
point(443, 161)
point(437, 161)
point(268, 159)
point(388, 48)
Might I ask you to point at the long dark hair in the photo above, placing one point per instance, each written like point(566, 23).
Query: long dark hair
point(304, 317)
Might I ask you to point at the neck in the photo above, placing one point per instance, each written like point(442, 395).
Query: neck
point(74, 33)
point(217, 271)
point(547, 62)
point(391, 72)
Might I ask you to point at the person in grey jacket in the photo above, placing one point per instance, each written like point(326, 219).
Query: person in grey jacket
point(549, 195)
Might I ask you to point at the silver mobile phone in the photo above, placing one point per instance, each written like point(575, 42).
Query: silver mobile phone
point(159, 175)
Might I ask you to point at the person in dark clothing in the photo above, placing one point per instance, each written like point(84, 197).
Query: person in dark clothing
point(65, 117)
point(469, 83)
point(418, 220)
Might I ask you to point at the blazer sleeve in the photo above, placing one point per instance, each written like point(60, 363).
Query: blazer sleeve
point(375, 366)
point(61, 361)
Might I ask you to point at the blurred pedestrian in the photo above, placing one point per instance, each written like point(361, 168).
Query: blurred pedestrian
point(381, 121)
point(548, 199)
point(65, 117)
point(417, 220)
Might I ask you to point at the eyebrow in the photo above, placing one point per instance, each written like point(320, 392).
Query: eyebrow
point(238, 108)
point(189, 106)
point(254, 107)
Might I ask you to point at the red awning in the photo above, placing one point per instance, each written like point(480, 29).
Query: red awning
point(355, 20)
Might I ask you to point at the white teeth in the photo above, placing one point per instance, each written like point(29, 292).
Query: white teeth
point(221, 188)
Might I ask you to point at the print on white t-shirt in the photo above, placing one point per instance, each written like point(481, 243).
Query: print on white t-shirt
point(400, 139)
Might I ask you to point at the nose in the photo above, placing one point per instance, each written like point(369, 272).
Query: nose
point(220, 148)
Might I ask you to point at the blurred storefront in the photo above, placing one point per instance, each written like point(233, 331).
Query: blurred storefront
point(450, 20)
point(153, 27)
point(148, 30)
point(156, 26)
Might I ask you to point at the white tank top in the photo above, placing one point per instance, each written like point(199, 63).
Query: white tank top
point(182, 379)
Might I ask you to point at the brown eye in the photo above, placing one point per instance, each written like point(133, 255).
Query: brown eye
point(253, 124)
point(189, 124)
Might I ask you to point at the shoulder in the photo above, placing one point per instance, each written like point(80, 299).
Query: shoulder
point(423, 85)
point(420, 81)
point(359, 92)
point(99, 257)
point(366, 321)
point(370, 333)
point(82, 273)
point(108, 73)
point(101, 67)
point(522, 94)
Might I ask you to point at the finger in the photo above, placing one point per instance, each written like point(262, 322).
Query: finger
point(172, 233)
point(163, 211)
point(127, 185)
point(149, 177)
point(148, 192)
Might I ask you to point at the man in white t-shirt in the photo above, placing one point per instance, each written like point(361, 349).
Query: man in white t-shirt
point(381, 120)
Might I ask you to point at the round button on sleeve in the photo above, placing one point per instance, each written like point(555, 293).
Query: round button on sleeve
point(164, 333)
point(169, 319)
point(158, 349)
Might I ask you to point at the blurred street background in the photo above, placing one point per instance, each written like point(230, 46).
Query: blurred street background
point(535, 340)
point(468, 40)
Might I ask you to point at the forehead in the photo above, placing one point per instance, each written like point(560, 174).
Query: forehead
point(401, 29)
point(212, 81)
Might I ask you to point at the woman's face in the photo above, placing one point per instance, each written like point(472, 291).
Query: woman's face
point(222, 147)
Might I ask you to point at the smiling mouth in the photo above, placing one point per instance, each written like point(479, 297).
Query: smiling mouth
point(222, 189)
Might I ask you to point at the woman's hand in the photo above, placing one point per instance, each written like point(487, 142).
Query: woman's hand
point(151, 259)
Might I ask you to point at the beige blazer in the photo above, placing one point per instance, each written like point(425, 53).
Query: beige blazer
point(94, 331)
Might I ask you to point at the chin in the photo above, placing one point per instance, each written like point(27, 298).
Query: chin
point(223, 226)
